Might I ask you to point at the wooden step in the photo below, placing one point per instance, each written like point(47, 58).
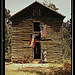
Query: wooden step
point(36, 61)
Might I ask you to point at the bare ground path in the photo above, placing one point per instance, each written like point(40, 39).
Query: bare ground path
point(34, 69)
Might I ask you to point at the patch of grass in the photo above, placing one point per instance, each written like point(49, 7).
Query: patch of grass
point(44, 69)
point(10, 72)
point(67, 65)
point(61, 72)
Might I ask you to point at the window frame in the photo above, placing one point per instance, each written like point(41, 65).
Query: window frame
point(35, 13)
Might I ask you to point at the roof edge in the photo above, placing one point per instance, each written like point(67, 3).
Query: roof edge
point(42, 5)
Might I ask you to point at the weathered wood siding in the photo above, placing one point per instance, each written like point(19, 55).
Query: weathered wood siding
point(20, 40)
point(23, 27)
point(53, 46)
point(52, 43)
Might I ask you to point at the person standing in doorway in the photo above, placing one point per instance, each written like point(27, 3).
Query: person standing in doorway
point(44, 56)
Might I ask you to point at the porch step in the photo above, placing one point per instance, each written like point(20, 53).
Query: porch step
point(36, 61)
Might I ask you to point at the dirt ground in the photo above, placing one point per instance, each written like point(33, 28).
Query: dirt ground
point(34, 69)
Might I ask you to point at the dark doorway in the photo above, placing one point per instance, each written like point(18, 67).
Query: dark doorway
point(37, 26)
point(37, 51)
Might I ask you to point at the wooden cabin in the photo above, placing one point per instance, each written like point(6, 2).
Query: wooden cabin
point(27, 22)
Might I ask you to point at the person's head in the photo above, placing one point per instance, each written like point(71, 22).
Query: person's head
point(43, 49)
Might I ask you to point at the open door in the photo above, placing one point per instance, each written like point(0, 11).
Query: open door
point(37, 51)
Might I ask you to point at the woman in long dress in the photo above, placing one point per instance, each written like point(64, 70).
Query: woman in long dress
point(44, 56)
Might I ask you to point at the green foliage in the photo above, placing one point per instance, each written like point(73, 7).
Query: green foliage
point(50, 5)
point(67, 65)
point(67, 41)
point(7, 13)
point(7, 33)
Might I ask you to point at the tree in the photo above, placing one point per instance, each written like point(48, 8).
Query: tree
point(7, 13)
point(67, 38)
point(50, 5)
point(7, 32)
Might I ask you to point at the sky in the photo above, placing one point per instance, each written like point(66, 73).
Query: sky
point(16, 5)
